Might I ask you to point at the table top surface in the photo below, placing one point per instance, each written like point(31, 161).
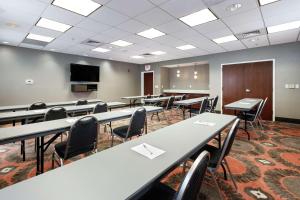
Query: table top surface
point(17, 133)
point(246, 104)
point(157, 99)
point(192, 101)
point(7, 116)
point(138, 97)
point(120, 173)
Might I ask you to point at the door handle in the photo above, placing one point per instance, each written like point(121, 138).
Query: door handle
point(247, 90)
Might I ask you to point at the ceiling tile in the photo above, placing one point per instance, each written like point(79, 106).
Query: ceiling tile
point(130, 7)
point(93, 26)
point(61, 15)
point(115, 33)
point(180, 8)
point(154, 17)
point(284, 36)
point(31, 46)
point(211, 27)
point(133, 26)
point(172, 27)
point(157, 2)
point(76, 35)
point(281, 12)
point(222, 9)
point(108, 16)
point(219, 33)
point(136, 39)
point(31, 7)
point(169, 41)
point(246, 21)
point(233, 45)
point(256, 41)
point(12, 36)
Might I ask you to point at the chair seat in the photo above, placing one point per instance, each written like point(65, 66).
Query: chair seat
point(249, 116)
point(159, 192)
point(121, 131)
point(214, 154)
point(60, 148)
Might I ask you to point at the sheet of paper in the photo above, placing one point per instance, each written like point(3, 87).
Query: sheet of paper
point(148, 151)
point(205, 123)
point(71, 120)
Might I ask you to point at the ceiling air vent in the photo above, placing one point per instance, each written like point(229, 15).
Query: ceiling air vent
point(251, 34)
point(91, 42)
point(147, 54)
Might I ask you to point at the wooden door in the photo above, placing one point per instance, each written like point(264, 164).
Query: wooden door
point(249, 80)
point(148, 83)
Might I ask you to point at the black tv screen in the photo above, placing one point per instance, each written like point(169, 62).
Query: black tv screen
point(85, 73)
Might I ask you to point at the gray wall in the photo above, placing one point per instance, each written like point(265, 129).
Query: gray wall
point(287, 70)
point(186, 78)
point(51, 74)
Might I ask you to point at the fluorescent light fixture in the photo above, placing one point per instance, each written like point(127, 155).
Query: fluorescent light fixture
point(199, 17)
point(39, 37)
point(102, 50)
point(158, 53)
point(178, 75)
point(50, 24)
point(228, 38)
point(284, 27)
point(121, 43)
point(264, 2)
point(5, 42)
point(82, 7)
point(137, 57)
point(151, 33)
point(186, 47)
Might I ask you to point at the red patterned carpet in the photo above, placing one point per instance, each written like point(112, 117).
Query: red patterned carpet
point(266, 167)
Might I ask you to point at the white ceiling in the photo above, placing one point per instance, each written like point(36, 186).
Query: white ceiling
point(122, 19)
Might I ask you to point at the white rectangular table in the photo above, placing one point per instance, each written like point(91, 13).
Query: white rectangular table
point(42, 129)
point(159, 99)
point(133, 99)
point(119, 173)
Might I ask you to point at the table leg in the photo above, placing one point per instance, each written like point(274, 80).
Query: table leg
point(190, 111)
point(183, 112)
point(42, 154)
point(245, 115)
point(38, 156)
point(220, 140)
point(146, 125)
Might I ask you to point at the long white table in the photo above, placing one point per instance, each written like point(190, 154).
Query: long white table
point(42, 129)
point(50, 104)
point(120, 173)
point(189, 102)
point(159, 99)
point(133, 99)
point(244, 105)
point(19, 115)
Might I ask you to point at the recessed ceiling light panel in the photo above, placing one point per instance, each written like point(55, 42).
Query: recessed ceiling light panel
point(158, 53)
point(264, 2)
point(199, 17)
point(137, 57)
point(186, 47)
point(284, 27)
point(82, 7)
point(102, 50)
point(151, 33)
point(121, 43)
point(39, 37)
point(228, 38)
point(50, 24)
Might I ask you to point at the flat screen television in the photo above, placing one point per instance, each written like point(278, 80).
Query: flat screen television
point(84, 73)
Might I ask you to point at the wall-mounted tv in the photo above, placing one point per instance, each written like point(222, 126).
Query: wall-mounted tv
point(84, 73)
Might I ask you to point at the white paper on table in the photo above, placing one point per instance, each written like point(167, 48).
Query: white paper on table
point(126, 111)
point(38, 111)
point(148, 151)
point(205, 123)
point(71, 120)
point(245, 103)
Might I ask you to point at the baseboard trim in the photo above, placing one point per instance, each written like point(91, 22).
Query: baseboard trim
point(289, 120)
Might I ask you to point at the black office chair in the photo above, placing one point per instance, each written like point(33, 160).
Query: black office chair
point(148, 103)
point(135, 127)
point(54, 114)
point(189, 188)
point(101, 108)
point(211, 108)
point(203, 107)
point(82, 138)
point(34, 106)
point(218, 155)
point(80, 103)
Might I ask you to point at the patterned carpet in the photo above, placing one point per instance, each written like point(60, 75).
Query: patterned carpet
point(266, 167)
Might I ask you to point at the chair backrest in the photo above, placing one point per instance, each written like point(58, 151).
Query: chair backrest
point(203, 106)
point(214, 104)
point(259, 109)
point(228, 141)
point(183, 97)
point(137, 123)
point(55, 113)
point(191, 185)
point(100, 108)
point(262, 107)
point(170, 103)
point(82, 137)
point(81, 102)
point(161, 95)
point(37, 106)
point(148, 96)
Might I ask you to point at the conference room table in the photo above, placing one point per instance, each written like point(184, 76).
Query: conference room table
point(188, 103)
point(244, 105)
point(159, 99)
point(25, 115)
point(14, 108)
point(42, 129)
point(120, 173)
point(133, 99)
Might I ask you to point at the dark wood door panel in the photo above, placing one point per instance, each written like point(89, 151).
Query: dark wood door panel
point(148, 83)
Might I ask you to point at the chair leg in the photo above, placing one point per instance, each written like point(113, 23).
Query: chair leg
point(61, 162)
point(112, 140)
point(184, 167)
point(53, 160)
point(230, 174)
point(23, 150)
point(224, 171)
point(216, 183)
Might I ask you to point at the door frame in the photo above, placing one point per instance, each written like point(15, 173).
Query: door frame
point(142, 81)
point(252, 61)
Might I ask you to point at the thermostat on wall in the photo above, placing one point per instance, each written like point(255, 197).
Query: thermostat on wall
point(29, 82)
